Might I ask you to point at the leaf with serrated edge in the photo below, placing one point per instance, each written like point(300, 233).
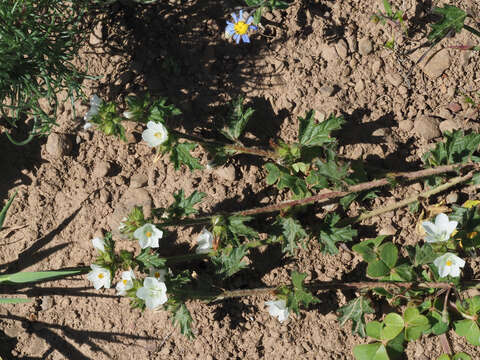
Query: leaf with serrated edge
point(355, 310)
point(298, 295)
point(453, 20)
point(181, 155)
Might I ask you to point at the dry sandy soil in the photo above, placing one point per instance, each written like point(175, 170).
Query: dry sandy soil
point(324, 55)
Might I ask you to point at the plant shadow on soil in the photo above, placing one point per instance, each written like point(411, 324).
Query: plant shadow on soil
point(59, 343)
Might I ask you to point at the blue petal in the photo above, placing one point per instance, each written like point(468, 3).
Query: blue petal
point(236, 37)
point(230, 23)
point(253, 28)
point(240, 16)
point(234, 16)
point(229, 30)
point(245, 38)
point(249, 20)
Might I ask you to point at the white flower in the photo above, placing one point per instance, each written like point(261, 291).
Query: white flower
point(153, 292)
point(98, 244)
point(126, 283)
point(128, 114)
point(449, 264)
point(441, 230)
point(148, 236)
point(95, 103)
point(205, 242)
point(158, 274)
point(278, 309)
point(155, 134)
point(99, 276)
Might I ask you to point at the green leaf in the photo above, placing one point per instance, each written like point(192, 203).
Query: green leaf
point(393, 325)
point(293, 234)
point(374, 329)
point(389, 254)
point(3, 213)
point(236, 228)
point(438, 326)
point(183, 318)
point(377, 268)
point(395, 347)
point(355, 310)
point(388, 8)
point(184, 206)
point(453, 20)
point(368, 248)
point(455, 147)
point(27, 277)
point(229, 261)
point(14, 300)
point(375, 351)
point(403, 272)
point(237, 119)
point(469, 306)
point(424, 255)
point(281, 176)
point(331, 234)
point(299, 295)
point(312, 134)
point(415, 324)
point(443, 357)
point(469, 329)
point(180, 154)
point(159, 111)
point(461, 356)
point(147, 259)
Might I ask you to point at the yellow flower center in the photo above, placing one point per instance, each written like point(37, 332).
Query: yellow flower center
point(158, 135)
point(157, 275)
point(124, 282)
point(148, 234)
point(240, 28)
point(449, 263)
point(100, 276)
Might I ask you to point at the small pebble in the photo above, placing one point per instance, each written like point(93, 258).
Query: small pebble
point(101, 169)
point(394, 79)
point(138, 181)
point(327, 90)
point(365, 46)
point(437, 64)
point(226, 172)
point(58, 145)
point(342, 49)
point(427, 127)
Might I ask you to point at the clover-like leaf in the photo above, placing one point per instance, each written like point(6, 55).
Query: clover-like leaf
point(355, 310)
point(180, 154)
point(415, 323)
point(392, 325)
point(469, 329)
point(375, 351)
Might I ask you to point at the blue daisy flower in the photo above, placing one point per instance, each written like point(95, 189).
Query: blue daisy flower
point(240, 27)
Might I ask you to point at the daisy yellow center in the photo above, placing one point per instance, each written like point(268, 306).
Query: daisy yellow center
point(449, 263)
point(157, 274)
point(148, 234)
point(124, 282)
point(240, 28)
point(158, 135)
point(100, 276)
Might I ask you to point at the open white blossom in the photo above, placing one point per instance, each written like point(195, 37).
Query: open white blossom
point(95, 103)
point(153, 292)
point(449, 264)
point(155, 134)
point(98, 244)
point(158, 274)
point(204, 242)
point(126, 283)
point(148, 236)
point(128, 114)
point(441, 230)
point(278, 309)
point(99, 276)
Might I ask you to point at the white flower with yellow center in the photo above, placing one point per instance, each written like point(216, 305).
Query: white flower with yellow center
point(204, 242)
point(441, 230)
point(148, 236)
point(449, 264)
point(99, 276)
point(155, 134)
point(158, 274)
point(99, 244)
point(278, 309)
point(153, 292)
point(126, 283)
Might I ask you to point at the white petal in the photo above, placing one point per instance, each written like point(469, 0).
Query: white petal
point(98, 244)
point(454, 271)
point(452, 225)
point(142, 293)
point(441, 221)
point(95, 100)
point(87, 125)
point(429, 228)
point(144, 243)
